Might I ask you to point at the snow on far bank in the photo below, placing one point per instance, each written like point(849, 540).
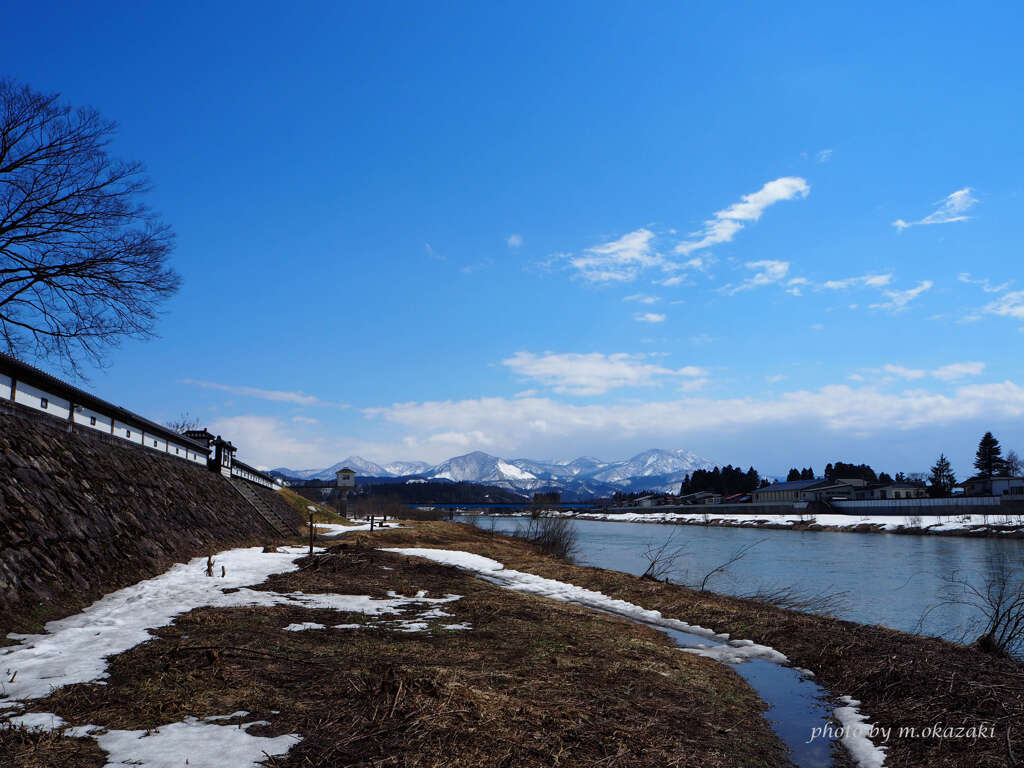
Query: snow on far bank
point(942, 523)
point(193, 742)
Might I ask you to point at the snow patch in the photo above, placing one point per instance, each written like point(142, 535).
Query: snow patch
point(855, 735)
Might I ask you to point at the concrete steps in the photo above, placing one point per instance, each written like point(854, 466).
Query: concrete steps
point(263, 509)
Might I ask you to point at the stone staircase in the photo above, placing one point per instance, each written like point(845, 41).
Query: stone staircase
point(263, 509)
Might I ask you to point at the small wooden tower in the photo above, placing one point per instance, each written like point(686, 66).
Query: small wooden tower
point(346, 478)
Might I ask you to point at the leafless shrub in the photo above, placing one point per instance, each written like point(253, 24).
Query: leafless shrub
point(662, 558)
point(823, 603)
point(734, 558)
point(999, 602)
point(913, 521)
point(551, 535)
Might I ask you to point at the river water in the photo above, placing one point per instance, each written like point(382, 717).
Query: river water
point(889, 579)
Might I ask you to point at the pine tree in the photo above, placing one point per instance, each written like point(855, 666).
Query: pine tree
point(942, 478)
point(989, 458)
point(794, 474)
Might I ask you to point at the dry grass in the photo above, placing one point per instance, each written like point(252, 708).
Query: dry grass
point(533, 683)
point(321, 512)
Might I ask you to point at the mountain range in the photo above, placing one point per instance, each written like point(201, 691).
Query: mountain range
point(581, 478)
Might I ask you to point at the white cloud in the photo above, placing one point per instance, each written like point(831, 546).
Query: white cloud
point(776, 378)
point(693, 385)
point(768, 272)
point(432, 253)
point(851, 411)
point(669, 282)
point(824, 155)
point(868, 281)
point(618, 261)
point(726, 223)
point(305, 420)
point(951, 208)
point(898, 300)
point(274, 395)
point(643, 298)
point(514, 241)
point(649, 317)
point(594, 373)
point(958, 370)
point(904, 373)
point(796, 285)
point(986, 284)
point(1008, 305)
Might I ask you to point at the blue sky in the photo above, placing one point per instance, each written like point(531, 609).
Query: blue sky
point(773, 236)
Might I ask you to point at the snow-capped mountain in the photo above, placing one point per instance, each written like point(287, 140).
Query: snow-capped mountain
point(650, 463)
point(403, 468)
point(363, 467)
point(479, 467)
point(584, 477)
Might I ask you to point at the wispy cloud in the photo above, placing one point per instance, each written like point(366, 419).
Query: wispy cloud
point(904, 373)
point(726, 223)
point(899, 300)
point(619, 260)
point(1008, 305)
point(986, 284)
point(824, 155)
point(274, 395)
point(949, 372)
point(515, 241)
point(951, 208)
point(642, 298)
point(595, 373)
point(958, 370)
point(866, 281)
point(432, 253)
point(767, 272)
point(649, 317)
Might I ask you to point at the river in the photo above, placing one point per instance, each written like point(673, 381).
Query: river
point(889, 579)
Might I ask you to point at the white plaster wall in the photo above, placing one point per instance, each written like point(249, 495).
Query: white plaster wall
point(156, 443)
point(121, 430)
point(32, 397)
point(85, 416)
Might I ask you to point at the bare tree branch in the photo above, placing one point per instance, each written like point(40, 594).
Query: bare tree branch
point(83, 262)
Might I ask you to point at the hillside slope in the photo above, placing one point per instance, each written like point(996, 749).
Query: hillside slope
point(81, 515)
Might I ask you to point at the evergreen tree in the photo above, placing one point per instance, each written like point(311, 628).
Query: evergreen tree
point(988, 460)
point(883, 477)
point(829, 471)
point(794, 474)
point(900, 477)
point(942, 479)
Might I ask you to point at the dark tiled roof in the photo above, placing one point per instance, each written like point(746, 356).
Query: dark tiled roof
point(36, 377)
point(793, 485)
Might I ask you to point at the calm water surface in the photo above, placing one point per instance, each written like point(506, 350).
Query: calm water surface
point(887, 579)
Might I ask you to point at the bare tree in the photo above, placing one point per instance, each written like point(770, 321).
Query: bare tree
point(82, 259)
point(1014, 465)
point(999, 602)
point(662, 558)
point(184, 423)
point(738, 554)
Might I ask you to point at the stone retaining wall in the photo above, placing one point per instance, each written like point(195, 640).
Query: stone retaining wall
point(80, 516)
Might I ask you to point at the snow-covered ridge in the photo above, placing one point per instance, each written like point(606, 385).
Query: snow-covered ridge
point(655, 469)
